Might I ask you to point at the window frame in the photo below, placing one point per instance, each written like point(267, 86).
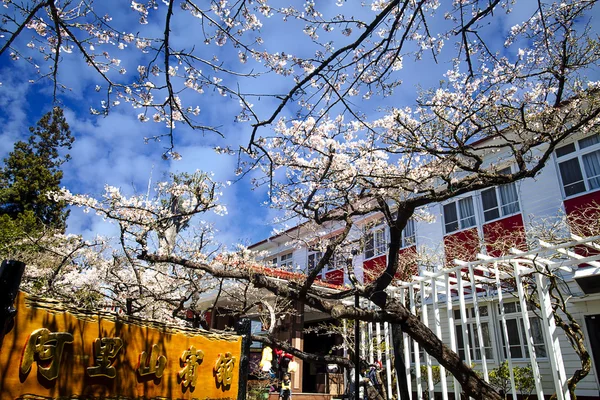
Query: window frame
point(577, 155)
point(288, 261)
point(335, 263)
point(254, 324)
point(411, 240)
point(498, 198)
point(459, 217)
point(316, 256)
point(379, 244)
point(407, 241)
point(472, 337)
point(522, 335)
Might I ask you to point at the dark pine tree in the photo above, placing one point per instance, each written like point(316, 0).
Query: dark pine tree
point(31, 171)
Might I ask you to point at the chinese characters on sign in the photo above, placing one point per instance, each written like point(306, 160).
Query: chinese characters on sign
point(224, 369)
point(105, 349)
point(155, 366)
point(46, 349)
point(56, 351)
point(191, 359)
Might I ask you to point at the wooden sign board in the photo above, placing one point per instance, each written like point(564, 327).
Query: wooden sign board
point(54, 352)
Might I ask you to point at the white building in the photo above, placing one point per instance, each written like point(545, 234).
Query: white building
point(568, 185)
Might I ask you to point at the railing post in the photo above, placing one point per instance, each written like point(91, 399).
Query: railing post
point(525, 314)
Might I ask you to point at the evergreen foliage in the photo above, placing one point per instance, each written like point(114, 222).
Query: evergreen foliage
point(30, 172)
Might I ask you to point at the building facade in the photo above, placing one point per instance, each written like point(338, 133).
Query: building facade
point(488, 221)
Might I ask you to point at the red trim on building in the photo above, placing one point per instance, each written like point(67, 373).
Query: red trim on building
point(374, 267)
point(583, 215)
point(335, 277)
point(503, 234)
point(463, 245)
point(407, 263)
point(582, 210)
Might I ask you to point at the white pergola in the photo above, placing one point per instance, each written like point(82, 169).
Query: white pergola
point(484, 277)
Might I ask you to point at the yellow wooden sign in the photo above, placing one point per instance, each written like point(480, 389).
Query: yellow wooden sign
point(55, 352)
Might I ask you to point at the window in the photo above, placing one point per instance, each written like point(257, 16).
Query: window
point(313, 260)
point(517, 336)
point(500, 201)
point(411, 344)
point(337, 261)
point(256, 328)
point(375, 242)
point(286, 261)
point(579, 165)
point(472, 336)
point(409, 234)
point(459, 215)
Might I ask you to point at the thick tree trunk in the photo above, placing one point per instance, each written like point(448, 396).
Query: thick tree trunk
point(399, 362)
point(393, 312)
point(472, 385)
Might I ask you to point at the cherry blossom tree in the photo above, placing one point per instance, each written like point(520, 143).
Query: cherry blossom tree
point(333, 145)
point(106, 272)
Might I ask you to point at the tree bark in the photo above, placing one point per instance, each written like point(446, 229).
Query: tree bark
point(392, 312)
point(472, 385)
point(399, 362)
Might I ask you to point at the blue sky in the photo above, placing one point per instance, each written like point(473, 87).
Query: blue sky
point(111, 150)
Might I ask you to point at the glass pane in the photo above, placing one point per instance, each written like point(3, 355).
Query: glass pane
point(460, 344)
point(591, 164)
point(450, 217)
point(408, 235)
point(369, 245)
point(516, 352)
point(467, 212)
point(485, 329)
point(510, 307)
point(571, 176)
point(538, 337)
point(491, 214)
point(564, 150)
point(470, 337)
point(589, 141)
point(380, 242)
point(286, 260)
point(509, 199)
point(525, 337)
point(490, 204)
point(487, 341)
point(514, 339)
point(313, 260)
